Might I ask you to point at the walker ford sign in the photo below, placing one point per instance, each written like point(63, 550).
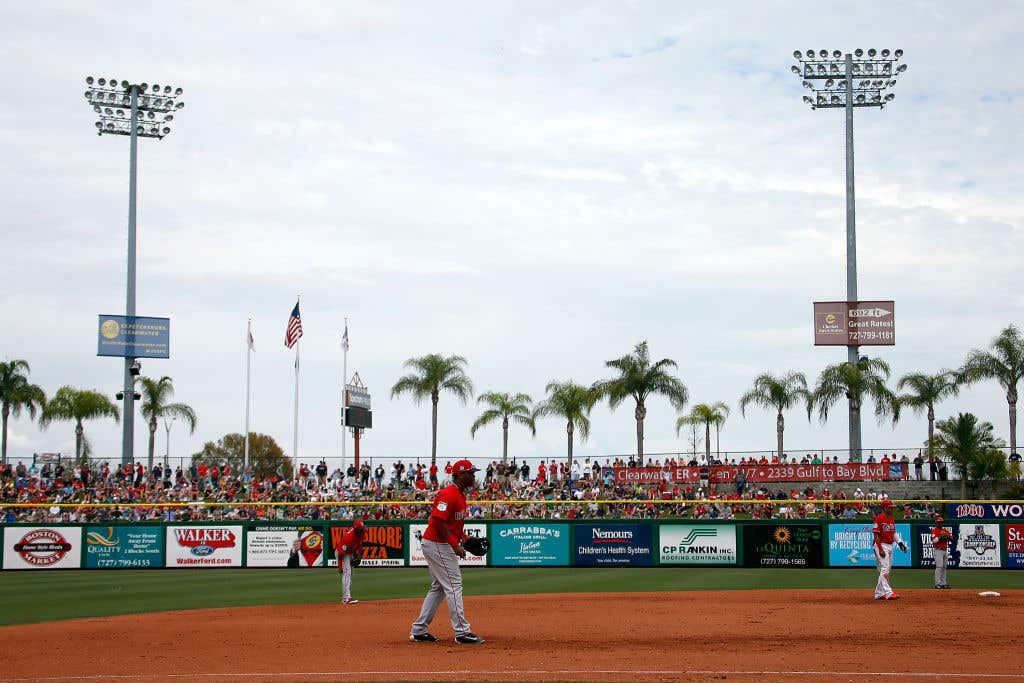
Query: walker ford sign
point(854, 323)
point(760, 473)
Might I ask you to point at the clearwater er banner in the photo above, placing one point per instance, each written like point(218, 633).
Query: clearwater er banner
point(760, 473)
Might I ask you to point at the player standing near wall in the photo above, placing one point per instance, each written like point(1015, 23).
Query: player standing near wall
point(349, 556)
point(442, 547)
point(940, 551)
point(885, 536)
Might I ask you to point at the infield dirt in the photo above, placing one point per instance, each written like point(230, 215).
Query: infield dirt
point(806, 635)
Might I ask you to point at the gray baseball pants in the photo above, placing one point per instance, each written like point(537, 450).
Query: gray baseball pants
point(446, 584)
point(346, 576)
point(941, 560)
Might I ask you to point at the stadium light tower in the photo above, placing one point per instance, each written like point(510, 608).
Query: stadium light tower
point(136, 110)
point(846, 81)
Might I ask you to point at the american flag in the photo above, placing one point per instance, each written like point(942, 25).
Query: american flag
point(294, 331)
point(344, 337)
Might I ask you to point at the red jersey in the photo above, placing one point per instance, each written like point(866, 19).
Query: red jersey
point(350, 543)
point(885, 529)
point(940, 538)
point(449, 508)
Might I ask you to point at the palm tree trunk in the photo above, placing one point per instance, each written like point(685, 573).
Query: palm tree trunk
point(504, 440)
point(568, 432)
point(640, 413)
point(707, 442)
point(79, 430)
point(3, 444)
point(931, 429)
point(1011, 399)
point(780, 427)
point(433, 431)
point(152, 440)
point(718, 443)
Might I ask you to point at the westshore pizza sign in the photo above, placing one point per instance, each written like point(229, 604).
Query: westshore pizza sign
point(759, 473)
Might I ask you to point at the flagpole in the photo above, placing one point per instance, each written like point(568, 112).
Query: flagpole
point(344, 403)
point(295, 443)
point(248, 374)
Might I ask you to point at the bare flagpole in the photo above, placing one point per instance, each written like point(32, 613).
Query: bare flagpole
point(344, 392)
point(248, 374)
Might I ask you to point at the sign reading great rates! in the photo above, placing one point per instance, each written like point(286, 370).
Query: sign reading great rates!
point(854, 323)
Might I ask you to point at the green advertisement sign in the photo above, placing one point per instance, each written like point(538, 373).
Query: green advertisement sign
point(112, 547)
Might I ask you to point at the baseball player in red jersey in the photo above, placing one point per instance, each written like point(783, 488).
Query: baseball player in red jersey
point(941, 536)
point(351, 546)
point(442, 548)
point(884, 537)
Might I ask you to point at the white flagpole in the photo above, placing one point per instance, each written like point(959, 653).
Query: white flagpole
point(248, 372)
point(295, 443)
point(344, 383)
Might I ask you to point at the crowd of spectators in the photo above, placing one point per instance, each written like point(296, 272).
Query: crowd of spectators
point(551, 489)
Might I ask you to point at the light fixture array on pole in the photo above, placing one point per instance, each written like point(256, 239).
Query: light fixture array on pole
point(846, 81)
point(112, 102)
point(872, 76)
point(136, 110)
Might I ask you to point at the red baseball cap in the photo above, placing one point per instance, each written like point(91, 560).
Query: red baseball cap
point(461, 466)
point(358, 524)
point(937, 518)
point(886, 503)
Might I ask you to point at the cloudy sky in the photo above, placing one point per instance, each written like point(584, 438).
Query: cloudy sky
point(534, 186)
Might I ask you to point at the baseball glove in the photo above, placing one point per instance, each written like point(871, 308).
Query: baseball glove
point(903, 546)
point(356, 560)
point(476, 545)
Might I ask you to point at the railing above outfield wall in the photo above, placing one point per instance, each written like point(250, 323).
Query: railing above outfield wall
point(985, 535)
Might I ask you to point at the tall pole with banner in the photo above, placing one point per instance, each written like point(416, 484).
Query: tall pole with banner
point(851, 80)
point(109, 100)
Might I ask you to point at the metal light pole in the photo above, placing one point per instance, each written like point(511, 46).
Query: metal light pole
point(852, 80)
point(145, 103)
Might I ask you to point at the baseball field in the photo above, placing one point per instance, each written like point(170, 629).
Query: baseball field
point(541, 624)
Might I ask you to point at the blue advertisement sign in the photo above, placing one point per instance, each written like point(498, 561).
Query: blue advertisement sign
point(1015, 546)
point(923, 538)
point(111, 547)
point(134, 337)
point(986, 511)
point(530, 544)
point(852, 545)
point(613, 545)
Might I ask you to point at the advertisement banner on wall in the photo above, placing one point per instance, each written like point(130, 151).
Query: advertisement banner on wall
point(290, 546)
point(986, 510)
point(697, 544)
point(383, 546)
point(923, 538)
point(526, 544)
point(1015, 546)
point(613, 545)
point(416, 558)
point(852, 545)
point(204, 546)
point(782, 545)
point(110, 547)
point(979, 545)
point(42, 547)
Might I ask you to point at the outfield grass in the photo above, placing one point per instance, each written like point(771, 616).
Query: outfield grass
point(45, 596)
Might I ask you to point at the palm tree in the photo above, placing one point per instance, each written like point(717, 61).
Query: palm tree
point(707, 415)
point(638, 378)
point(70, 404)
point(156, 396)
point(506, 407)
point(432, 374)
point(722, 411)
point(855, 381)
point(780, 393)
point(692, 421)
point(573, 403)
point(924, 392)
point(1005, 364)
point(964, 441)
point(16, 393)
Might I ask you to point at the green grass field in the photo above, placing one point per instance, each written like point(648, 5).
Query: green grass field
point(45, 596)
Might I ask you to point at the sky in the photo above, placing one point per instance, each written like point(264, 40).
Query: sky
point(534, 186)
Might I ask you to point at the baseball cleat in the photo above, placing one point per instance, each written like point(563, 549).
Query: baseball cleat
point(469, 639)
point(349, 601)
point(892, 596)
point(423, 638)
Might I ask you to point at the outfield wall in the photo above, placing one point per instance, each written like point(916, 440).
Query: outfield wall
point(979, 542)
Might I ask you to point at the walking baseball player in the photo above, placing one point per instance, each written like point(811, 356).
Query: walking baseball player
point(941, 537)
point(885, 537)
point(442, 547)
point(349, 555)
